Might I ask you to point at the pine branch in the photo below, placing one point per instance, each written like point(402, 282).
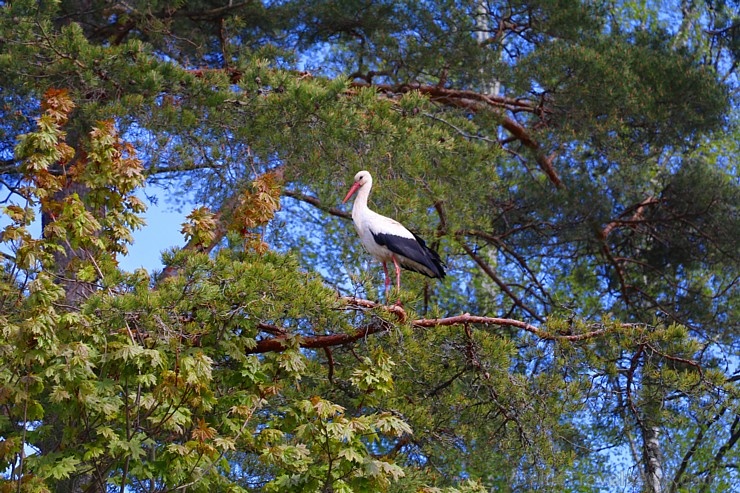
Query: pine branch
point(279, 343)
point(637, 216)
point(469, 100)
point(128, 18)
point(456, 97)
point(475, 101)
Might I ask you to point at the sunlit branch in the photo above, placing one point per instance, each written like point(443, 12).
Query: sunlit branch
point(280, 342)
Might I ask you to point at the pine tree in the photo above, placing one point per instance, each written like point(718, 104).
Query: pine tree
point(573, 163)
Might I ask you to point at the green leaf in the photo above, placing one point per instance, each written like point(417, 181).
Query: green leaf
point(351, 454)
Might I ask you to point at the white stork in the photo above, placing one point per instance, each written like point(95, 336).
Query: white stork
point(388, 240)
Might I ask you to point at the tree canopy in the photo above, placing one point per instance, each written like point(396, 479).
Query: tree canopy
point(573, 162)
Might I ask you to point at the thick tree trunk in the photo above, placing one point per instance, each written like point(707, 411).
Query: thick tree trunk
point(75, 291)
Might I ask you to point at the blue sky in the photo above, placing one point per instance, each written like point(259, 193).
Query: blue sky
point(161, 232)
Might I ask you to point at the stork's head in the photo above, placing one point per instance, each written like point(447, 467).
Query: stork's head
point(362, 179)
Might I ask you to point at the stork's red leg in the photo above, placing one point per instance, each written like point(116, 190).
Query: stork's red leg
point(398, 273)
point(398, 278)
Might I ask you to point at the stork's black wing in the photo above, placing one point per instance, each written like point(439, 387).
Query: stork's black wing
point(423, 259)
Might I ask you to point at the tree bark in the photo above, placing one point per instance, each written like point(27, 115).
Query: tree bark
point(653, 459)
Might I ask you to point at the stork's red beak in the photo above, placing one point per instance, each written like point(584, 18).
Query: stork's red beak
point(352, 191)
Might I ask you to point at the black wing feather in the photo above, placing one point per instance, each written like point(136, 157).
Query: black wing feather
point(415, 250)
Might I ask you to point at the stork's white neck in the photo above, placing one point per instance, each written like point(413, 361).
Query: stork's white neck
point(360, 204)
